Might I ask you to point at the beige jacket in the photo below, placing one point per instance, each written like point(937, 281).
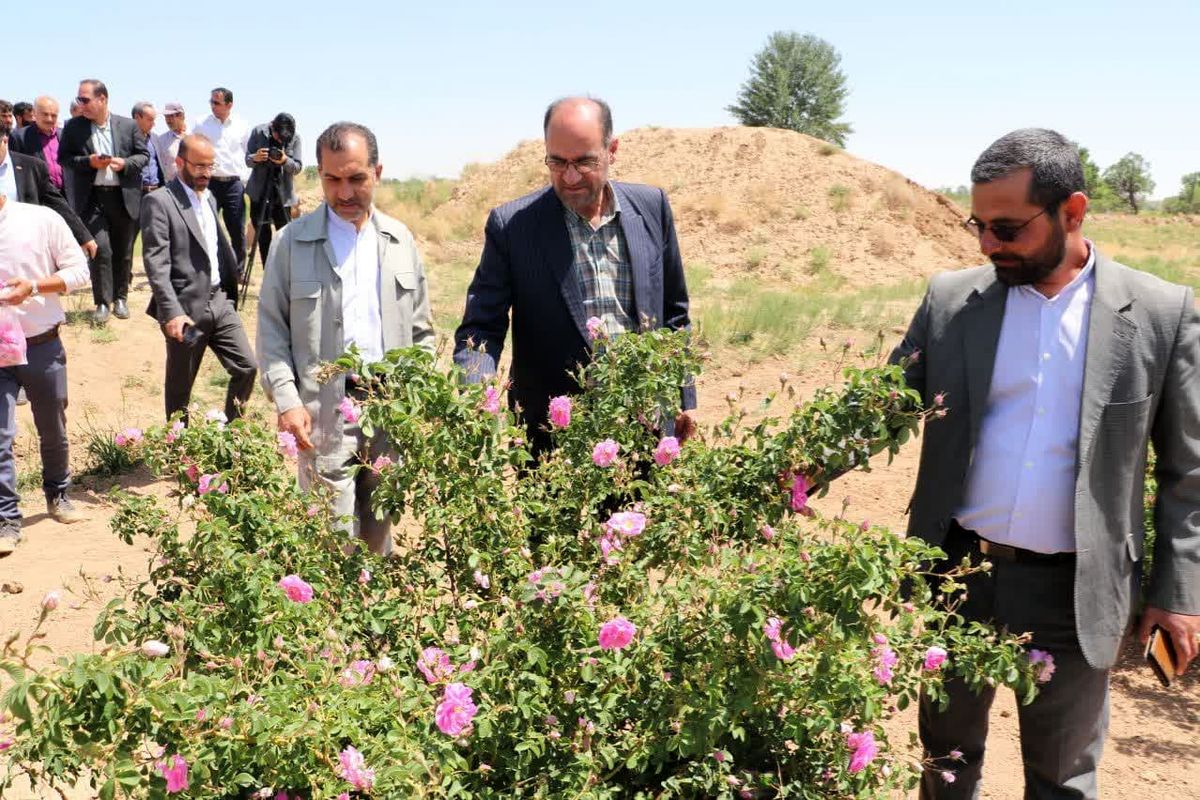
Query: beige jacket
point(300, 315)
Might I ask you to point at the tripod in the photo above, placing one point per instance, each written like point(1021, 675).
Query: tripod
point(271, 191)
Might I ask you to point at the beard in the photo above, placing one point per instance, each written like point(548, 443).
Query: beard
point(1014, 270)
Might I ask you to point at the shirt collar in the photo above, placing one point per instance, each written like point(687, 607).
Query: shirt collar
point(193, 195)
point(105, 126)
point(1084, 277)
point(337, 223)
point(610, 208)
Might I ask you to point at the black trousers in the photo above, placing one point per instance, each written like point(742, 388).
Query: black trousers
point(114, 231)
point(220, 329)
point(278, 216)
point(230, 195)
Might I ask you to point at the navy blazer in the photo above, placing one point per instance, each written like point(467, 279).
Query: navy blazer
point(527, 266)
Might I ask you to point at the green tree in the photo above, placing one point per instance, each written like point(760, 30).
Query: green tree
point(1130, 180)
point(796, 83)
point(1100, 196)
point(1188, 199)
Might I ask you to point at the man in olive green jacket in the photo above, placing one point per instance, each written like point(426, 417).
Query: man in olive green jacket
point(346, 274)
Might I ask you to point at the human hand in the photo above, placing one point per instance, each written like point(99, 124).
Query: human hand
point(1183, 628)
point(176, 325)
point(15, 291)
point(117, 164)
point(260, 155)
point(98, 160)
point(90, 248)
point(685, 427)
point(298, 423)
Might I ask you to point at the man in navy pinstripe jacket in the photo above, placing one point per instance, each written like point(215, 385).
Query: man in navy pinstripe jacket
point(585, 247)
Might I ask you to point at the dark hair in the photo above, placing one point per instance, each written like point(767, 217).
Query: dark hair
point(333, 139)
point(22, 108)
point(98, 87)
point(5, 107)
point(140, 107)
point(183, 143)
point(226, 95)
point(284, 124)
point(606, 124)
point(1052, 158)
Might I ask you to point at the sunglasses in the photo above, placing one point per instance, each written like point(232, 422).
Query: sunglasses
point(1002, 231)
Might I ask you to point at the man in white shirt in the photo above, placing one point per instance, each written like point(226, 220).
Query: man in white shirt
point(42, 261)
point(311, 309)
point(193, 278)
point(1056, 367)
point(167, 142)
point(229, 134)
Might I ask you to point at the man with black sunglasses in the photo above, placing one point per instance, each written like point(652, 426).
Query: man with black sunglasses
point(1057, 367)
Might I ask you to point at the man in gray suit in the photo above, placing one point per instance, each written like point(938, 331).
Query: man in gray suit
point(345, 274)
point(193, 278)
point(1057, 367)
point(273, 155)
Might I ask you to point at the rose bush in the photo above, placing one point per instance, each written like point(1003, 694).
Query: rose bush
point(663, 620)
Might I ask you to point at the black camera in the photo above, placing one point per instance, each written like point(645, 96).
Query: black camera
point(283, 129)
point(275, 153)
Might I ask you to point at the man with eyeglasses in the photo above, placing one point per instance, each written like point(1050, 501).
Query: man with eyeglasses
point(585, 247)
point(229, 135)
point(193, 279)
point(106, 153)
point(168, 141)
point(1057, 367)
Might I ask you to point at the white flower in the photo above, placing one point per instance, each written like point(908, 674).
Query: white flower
point(384, 664)
point(51, 600)
point(153, 648)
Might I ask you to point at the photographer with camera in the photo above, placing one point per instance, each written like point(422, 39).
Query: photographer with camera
point(273, 154)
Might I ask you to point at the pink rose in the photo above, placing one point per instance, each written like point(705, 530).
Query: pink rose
point(605, 453)
point(176, 429)
point(1045, 664)
point(364, 576)
point(205, 484)
point(800, 489)
point(482, 580)
point(175, 770)
point(767, 532)
point(434, 664)
point(627, 523)
point(51, 600)
point(667, 451)
point(885, 659)
point(863, 750)
point(380, 463)
point(297, 590)
point(491, 400)
point(934, 658)
point(286, 442)
point(354, 770)
point(595, 327)
point(455, 712)
point(128, 436)
point(617, 633)
point(348, 410)
point(359, 673)
point(560, 411)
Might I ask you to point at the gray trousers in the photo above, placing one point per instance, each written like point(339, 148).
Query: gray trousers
point(45, 381)
point(1063, 730)
point(220, 329)
point(352, 490)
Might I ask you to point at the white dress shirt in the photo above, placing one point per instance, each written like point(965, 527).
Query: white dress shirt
point(229, 140)
point(208, 226)
point(357, 254)
point(1021, 482)
point(8, 179)
point(35, 243)
point(166, 144)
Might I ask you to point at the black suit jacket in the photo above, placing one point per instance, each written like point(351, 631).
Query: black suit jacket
point(174, 256)
point(34, 186)
point(27, 141)
point(75, 146)
point(526, 266)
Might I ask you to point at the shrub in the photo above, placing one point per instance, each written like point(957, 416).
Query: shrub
point(839, 197)
point(625, 618)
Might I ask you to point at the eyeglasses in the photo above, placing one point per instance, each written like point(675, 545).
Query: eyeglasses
point(583, 166)
point(83, 101)
point(200, 167)
point(1002, 232)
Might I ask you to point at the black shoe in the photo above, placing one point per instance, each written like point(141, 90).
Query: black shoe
point(120, 310)
point(100, 315)
point(10, 535)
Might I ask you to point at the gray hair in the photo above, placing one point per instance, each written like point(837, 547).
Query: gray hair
point(333, 139)
point(1052, 158)
point(606, 123)
point(139, 108)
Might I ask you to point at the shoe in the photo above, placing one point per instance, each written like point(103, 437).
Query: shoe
point(22, 400)
point(100, 315)
point(10, 535)
point(120, 310)
point(63, 510)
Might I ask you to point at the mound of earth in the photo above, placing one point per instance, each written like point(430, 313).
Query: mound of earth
point(776, 203)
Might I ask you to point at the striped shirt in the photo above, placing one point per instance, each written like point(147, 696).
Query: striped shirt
point(602, 266)
point(102, 145)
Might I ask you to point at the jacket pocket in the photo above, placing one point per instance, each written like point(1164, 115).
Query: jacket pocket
point(407, 280)
point(305, 290)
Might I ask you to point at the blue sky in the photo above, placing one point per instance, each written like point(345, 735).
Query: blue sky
point(447, 83)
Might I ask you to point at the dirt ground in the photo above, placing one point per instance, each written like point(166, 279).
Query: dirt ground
point(116, 381)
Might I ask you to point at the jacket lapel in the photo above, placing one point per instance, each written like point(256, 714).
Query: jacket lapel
point(1111, 333)
point(983, 315)
point(189, 214)
point(638, 244)
point(560, 261)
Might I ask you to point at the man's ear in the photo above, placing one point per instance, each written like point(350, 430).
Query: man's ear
point(1075, 208)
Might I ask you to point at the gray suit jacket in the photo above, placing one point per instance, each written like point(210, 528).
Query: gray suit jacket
point(174, 255)
point(1141, 385)
point(261, 137)
point(300, 317)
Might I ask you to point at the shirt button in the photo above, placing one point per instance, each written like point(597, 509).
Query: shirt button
point(1045, 356)
point(1041, 411)
point(1028, 465)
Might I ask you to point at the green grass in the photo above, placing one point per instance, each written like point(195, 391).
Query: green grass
point(839, 197)
point(818, 259)
point(756, 256)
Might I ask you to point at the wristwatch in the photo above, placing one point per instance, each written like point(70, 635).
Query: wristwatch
point(34, 291)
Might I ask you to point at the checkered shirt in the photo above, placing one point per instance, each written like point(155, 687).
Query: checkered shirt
point(601, 264)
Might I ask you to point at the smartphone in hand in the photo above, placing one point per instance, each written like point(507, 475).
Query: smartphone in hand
point(1160, 654)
